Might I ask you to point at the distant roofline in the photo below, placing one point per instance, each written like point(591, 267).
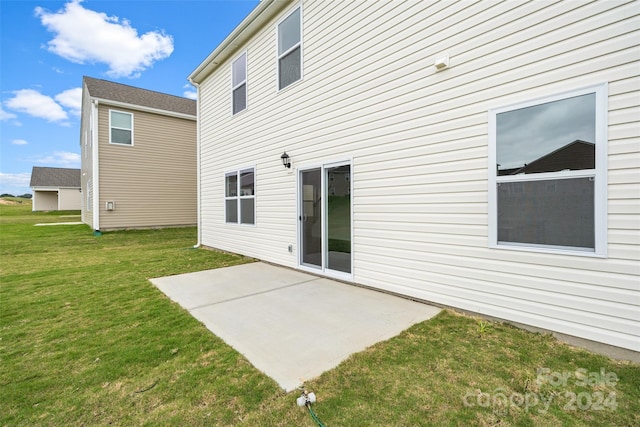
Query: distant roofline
point(138, 88)
point(88, 80)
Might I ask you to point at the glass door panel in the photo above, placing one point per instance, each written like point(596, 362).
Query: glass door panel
point(311, 217)
point(338, 196)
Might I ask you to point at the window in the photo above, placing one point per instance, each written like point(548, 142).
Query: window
point(290, 50)
point(239, 83)
point(548, 173)
point(121, 127)
point(240, 197)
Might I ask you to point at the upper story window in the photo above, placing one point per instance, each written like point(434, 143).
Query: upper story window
point(290, 49)
point(548, 173)
point(239, 83)
point(120, 128)
point(240, 196)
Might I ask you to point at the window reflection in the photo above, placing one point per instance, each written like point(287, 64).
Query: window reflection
point(549, 137)
point(246, 183)
point(231, 185)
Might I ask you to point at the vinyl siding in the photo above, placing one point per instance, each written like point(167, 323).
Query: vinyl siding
point(153, 182)
point(418, 142)
point(69, 199)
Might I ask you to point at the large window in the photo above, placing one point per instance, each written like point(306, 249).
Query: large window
point(120, 127)
point(290, 49)
point(548, 173)
point(239, 83)
point(240, 197)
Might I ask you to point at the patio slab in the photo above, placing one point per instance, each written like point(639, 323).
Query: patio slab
point(291, 325)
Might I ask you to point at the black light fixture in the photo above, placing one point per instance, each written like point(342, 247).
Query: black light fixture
point(286, 161)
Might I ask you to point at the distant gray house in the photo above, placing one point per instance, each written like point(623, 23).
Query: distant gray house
point(55, 189)
point(138, 157)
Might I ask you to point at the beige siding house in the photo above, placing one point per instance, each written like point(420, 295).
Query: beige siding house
point(403, 124)
point(55, 189)
point(138, 157)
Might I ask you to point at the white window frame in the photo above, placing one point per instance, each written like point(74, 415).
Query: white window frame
point(245, 82)
point(238, 197)
point(115, 127)
point(599, 174)
point(285, 53)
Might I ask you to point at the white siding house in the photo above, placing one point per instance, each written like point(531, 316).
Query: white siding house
point(479, 155)
point(55, 189)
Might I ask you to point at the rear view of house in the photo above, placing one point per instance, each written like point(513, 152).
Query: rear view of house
point(138, 157)
point(55, 189)
point(479, 155)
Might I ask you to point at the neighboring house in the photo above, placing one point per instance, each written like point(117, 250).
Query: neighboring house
point(416, 105)
point(138, 157)
point(576, 155)
point(55, 189)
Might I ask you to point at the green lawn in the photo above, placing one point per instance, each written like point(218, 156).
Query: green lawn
point(85, 339)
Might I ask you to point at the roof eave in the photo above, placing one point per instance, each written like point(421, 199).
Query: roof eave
point(264, 12)
point(138, 107)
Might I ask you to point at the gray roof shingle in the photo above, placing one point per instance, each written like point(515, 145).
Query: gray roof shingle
point(105, 89)
point(55, 177)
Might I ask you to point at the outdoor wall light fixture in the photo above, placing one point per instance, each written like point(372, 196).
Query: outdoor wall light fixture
point(286, 161)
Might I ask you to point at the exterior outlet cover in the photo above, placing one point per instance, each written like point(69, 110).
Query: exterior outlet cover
point(442, 62)
point(110, 206)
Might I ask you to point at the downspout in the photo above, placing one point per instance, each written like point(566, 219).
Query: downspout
point(198, 181)
point(95, 172)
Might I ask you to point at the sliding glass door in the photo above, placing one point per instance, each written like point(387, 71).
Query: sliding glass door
point(338, 208)
point(311, 217)
point(325, 219)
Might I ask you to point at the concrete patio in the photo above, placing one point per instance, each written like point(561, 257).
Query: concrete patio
point(291, 325)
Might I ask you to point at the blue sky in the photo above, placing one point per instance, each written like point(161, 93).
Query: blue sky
point(47, 46)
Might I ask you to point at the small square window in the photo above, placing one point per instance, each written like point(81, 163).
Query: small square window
point(120, 128)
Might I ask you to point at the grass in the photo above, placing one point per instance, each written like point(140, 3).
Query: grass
point(85, 339)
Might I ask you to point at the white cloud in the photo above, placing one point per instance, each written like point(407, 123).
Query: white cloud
point(36, 104)
point(191, 94)
point(15, 179)
point(72, 99)
point(5, 115)
point(60, 158)
point(19, 142)
point(83, 35)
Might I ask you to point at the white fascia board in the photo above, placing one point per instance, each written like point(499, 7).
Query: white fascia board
point(54, 188)
point(45, 188)
point(263, 13)
point(137, 107)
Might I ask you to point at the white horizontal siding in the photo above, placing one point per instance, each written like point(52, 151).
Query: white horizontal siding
point(418, 140)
